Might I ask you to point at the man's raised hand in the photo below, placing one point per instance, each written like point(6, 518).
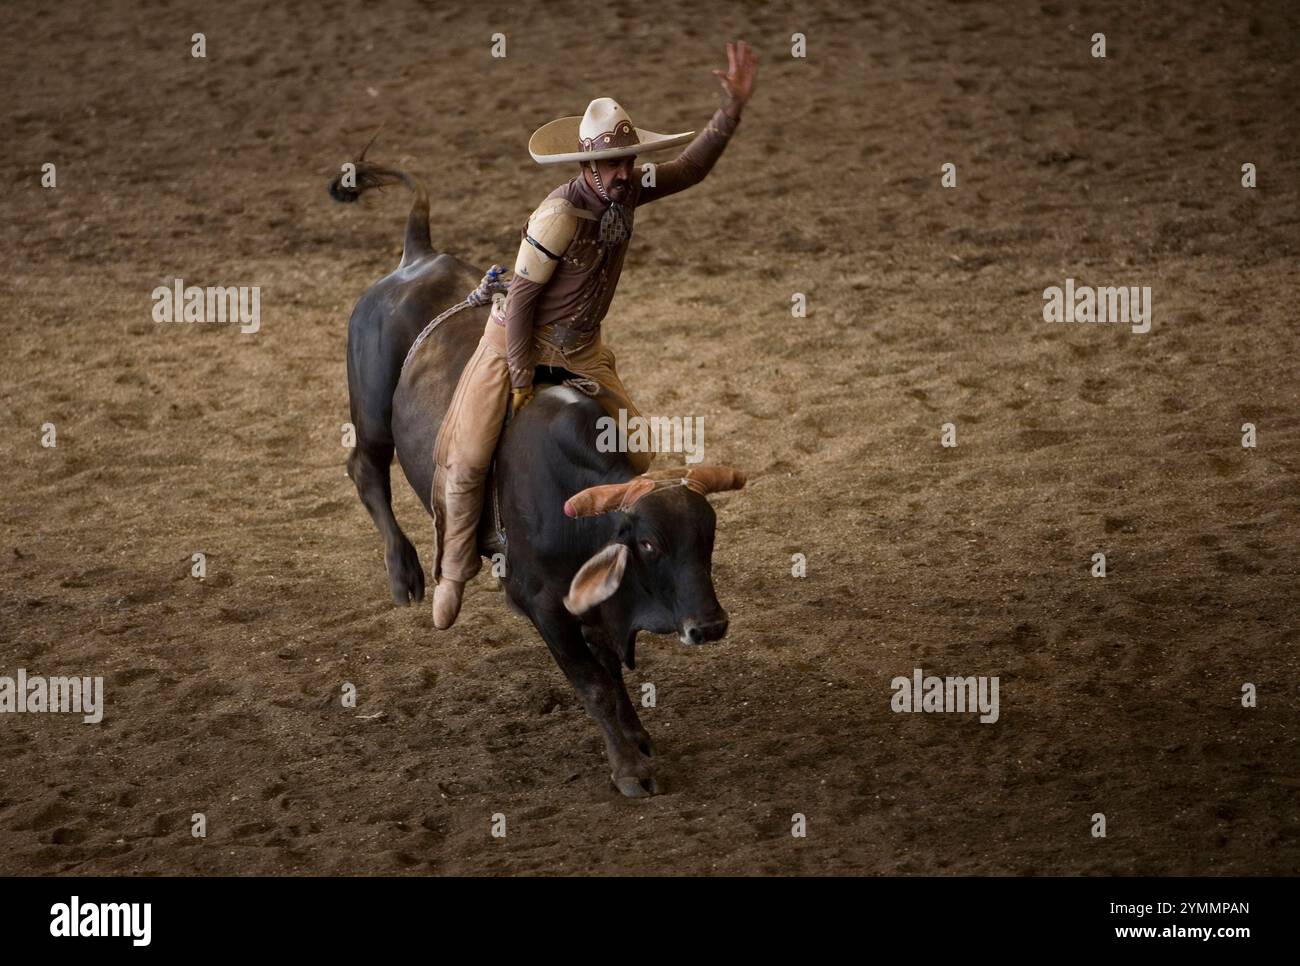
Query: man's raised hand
point(738, 79)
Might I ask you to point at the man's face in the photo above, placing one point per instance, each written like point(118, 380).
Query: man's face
point(616, 175)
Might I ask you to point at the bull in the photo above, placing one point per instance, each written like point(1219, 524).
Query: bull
point(593, 554)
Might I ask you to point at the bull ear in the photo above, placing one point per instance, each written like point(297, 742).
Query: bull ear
point(597, 579)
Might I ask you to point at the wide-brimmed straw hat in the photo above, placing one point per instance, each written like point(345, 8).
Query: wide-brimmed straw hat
point(604, 131)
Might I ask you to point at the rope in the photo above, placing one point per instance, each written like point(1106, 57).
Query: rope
point(588, 387)
point(496, 507)
point(488, 287)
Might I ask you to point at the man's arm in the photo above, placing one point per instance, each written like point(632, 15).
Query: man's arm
point(550, 230)
point(521, 303)
point(701, 154)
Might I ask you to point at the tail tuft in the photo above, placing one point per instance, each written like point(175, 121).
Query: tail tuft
point(365, 175)
point(368, 175)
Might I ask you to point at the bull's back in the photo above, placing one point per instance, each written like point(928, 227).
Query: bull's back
point(546, 456)
point(386, 321)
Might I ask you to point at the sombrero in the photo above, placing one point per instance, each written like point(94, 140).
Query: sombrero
point(605, 131)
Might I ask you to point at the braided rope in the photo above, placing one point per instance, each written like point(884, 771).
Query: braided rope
point(488, 287)
point(588, 387)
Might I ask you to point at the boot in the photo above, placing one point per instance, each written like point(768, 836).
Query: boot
point(446, 602)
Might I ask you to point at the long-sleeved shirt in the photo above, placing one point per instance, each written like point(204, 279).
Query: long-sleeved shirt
point(573, 302)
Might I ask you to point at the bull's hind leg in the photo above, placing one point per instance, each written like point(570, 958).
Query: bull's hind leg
point(369, 467)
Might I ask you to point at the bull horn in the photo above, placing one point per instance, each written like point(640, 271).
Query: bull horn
point(704, 479)
point(609, 497)
point(595, 500)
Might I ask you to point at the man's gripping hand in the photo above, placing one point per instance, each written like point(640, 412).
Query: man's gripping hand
point(519, 398)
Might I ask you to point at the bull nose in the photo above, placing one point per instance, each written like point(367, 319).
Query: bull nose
point(696, 632)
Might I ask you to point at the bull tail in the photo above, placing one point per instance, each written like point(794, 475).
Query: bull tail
point(371, 174)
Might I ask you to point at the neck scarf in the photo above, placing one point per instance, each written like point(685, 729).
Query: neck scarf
point(614, 228)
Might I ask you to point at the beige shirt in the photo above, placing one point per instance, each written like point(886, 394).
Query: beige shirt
point(578, 293)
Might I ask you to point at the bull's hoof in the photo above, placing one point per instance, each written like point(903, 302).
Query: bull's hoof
point(632, 787)
point(405, 575)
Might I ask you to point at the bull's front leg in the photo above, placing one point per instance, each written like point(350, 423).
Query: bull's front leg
point(599, 644)
point(600, 694)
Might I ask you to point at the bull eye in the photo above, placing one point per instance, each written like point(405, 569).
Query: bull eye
point(649, 548)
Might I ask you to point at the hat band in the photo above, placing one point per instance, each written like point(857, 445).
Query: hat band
point(623, 135)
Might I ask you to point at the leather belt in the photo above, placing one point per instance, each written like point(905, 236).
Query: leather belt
point(565, 338)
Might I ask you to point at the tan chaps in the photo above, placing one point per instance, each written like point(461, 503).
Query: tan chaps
point(468, 438)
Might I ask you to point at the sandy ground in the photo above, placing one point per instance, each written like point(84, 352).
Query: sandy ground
point(1119, 695)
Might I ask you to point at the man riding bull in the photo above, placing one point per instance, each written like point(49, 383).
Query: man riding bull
point(564, 279)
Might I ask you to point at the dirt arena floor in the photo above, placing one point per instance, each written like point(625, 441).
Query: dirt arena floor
point(1119, 695)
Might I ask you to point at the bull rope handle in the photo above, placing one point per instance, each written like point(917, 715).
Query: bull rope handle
point(490, 285)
